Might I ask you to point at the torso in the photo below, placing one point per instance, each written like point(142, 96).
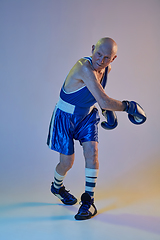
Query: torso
point(73, 82)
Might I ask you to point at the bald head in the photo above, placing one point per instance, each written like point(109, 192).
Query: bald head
point(103, 53)
point(108, 44)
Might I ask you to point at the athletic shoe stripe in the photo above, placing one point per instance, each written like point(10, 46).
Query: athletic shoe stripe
point(59, 196)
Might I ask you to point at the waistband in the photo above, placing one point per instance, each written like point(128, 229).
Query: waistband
point(72, 109)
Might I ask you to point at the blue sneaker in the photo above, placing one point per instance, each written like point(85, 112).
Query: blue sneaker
point(63, 195)
point(87, 209)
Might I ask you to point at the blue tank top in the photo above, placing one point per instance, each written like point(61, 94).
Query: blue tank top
point(82, 97)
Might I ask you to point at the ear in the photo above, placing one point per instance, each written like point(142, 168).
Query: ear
point(93, 47)
point(114, 58)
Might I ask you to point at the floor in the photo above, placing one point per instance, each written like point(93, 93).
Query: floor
point(127, 216)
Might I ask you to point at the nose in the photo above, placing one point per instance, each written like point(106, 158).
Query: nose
point(101, 59)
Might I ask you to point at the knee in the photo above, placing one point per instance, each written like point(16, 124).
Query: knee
point(66, 165)
point(69, 164)
point(66, 162)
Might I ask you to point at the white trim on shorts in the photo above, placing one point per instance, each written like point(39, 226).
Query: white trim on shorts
point(52, 125)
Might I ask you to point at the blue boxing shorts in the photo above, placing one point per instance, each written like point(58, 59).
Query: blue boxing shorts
point(67, 125)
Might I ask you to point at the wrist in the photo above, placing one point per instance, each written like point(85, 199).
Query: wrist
point(126, 105)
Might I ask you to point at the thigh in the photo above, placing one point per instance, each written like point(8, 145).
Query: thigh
point(87, 129)
point(60, 137)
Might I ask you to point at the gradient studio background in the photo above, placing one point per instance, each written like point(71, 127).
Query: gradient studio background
point(40, 41)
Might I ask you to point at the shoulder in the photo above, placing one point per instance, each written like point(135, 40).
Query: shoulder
point(80, 71)
point(84, 63)
point(84, 66)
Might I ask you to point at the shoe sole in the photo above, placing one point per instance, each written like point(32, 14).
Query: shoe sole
point(71, 203)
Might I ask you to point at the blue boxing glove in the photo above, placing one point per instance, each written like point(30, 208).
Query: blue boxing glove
point(135, 112)
point(111, 118)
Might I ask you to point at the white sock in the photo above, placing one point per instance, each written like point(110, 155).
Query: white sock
point(91, 179)
point(58, 180)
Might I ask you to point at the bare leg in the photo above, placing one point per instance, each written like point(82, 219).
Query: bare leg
point(88, 209)
point(90, 151)
point(57, 188)
point(92, 166)
point(65, 163)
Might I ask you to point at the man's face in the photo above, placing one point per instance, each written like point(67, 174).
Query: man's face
point(101, 57)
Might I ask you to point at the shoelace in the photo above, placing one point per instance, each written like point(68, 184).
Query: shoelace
point(65, 193)
point(85, 206)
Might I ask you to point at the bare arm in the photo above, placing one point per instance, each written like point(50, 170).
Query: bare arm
point(104, 101)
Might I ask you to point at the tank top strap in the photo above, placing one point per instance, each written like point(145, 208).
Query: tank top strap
point(104, 81)
point(88, 58)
